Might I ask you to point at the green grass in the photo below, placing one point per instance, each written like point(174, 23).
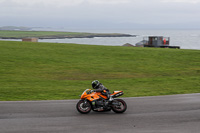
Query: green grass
point(41, 71)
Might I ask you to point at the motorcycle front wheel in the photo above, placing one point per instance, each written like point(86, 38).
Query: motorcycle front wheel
point(119, 106)
point(83, 107)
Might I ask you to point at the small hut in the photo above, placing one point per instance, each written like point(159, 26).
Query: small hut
point(128, 45)
point(156, 41)
point(30, 39)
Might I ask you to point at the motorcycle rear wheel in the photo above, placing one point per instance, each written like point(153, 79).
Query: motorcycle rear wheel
point(83, 107)
point(121, 108)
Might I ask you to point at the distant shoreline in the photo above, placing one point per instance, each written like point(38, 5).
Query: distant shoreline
point(13, 34)
point(63, 37)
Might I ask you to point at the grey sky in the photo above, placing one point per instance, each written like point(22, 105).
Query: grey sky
point(101, 13)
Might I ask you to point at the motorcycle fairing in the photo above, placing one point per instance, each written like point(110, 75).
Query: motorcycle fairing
point(97, 95)
point(92, 96)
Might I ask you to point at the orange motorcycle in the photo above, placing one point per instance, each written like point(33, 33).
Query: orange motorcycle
point(98, 102)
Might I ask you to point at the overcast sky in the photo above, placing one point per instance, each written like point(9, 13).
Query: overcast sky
point(101, 13)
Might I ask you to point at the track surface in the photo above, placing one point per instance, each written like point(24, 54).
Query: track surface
point(160, 114)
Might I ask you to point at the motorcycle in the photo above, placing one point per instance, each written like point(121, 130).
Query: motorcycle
point(98, 102)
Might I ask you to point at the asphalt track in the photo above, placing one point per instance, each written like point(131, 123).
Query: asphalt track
point(159, 114)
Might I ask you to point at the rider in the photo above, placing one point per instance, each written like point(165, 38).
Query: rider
point(100, 88)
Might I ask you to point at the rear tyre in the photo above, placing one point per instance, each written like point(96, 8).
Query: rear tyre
point(119, 106)
point(83, 107)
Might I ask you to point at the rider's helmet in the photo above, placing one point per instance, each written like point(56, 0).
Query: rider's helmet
point(95, 84)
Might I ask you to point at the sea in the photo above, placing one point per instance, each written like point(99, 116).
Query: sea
point(186, 39)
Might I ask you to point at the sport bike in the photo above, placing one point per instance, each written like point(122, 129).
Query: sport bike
point(98, 102)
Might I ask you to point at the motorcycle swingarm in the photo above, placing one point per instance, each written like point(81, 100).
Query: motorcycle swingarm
point(116, 103)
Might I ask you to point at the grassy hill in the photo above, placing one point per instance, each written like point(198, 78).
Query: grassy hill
point(40, 71)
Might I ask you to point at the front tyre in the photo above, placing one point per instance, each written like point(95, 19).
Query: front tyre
point(83, 107)
point(119, 106)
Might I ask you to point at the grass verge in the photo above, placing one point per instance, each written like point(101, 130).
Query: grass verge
point(51, 71)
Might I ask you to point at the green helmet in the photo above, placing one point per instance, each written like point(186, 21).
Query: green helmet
point(95, 84)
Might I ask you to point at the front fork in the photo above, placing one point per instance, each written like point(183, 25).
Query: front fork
point(85, 103)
